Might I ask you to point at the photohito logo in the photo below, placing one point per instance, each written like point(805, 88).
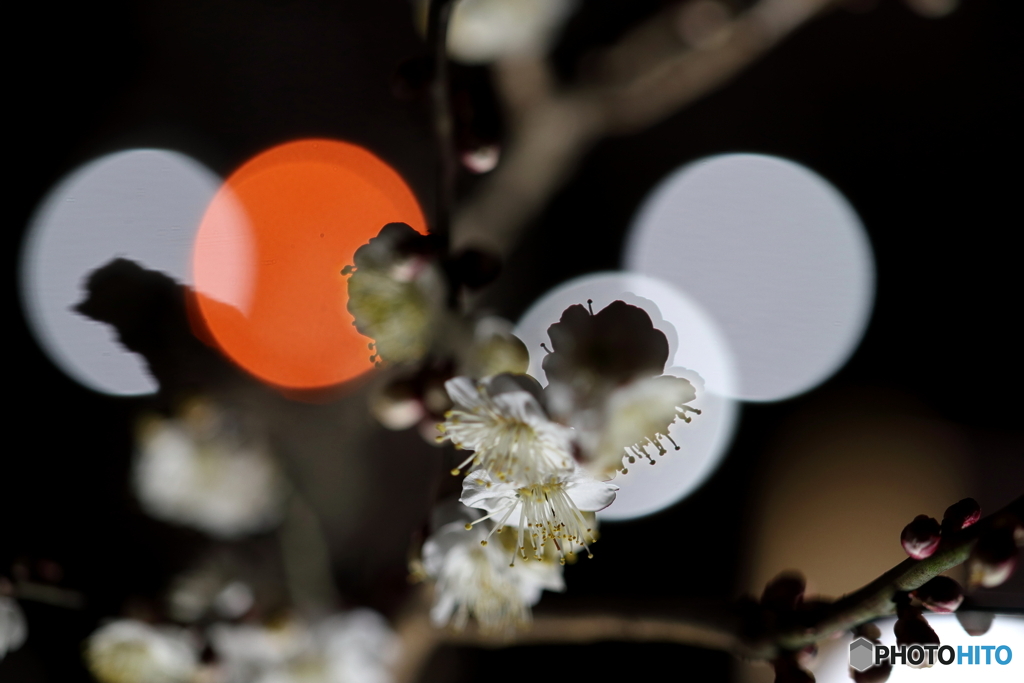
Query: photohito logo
point(864, 654)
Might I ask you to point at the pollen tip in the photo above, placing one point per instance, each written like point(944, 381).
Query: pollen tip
point(455, 471)
point(484, 542)
point(468, 526)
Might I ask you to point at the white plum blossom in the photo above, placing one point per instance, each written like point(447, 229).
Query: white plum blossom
point(542, 512)
point(475, 578)
point(507, 429)
point(352, 647)
point(13, 629)
point(636, 417)
point(130, 651)
point(190, 473)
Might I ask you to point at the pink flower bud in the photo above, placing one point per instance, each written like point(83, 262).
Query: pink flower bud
point(785, 591)
point(941, 594)
point(994, 558)
point(921, 537)
point(961, 515)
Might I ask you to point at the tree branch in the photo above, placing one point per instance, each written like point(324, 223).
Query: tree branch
point(720, 627)
point(649, 75)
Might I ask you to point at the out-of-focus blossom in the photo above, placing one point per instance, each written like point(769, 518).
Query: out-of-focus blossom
point(205, 591)
point(352, 647)
point(475, 578)
point(13, 629)
point(396, 293)
point(994, 557)
point(200, 472)
point(482, 31)
point(549, 511)
point(501, 420)
point(495, 350)
point(129, 651)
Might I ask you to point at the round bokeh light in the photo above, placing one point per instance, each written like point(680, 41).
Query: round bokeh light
point(305, 207)
point(697, 351)
point(774, 253)
point(143, 205)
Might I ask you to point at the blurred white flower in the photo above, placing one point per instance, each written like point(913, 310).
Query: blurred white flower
point(129, 651)
point(353, 647)
point(194, 594)
point(195, 472)
point(474, 578)
point(13, 629)
point(482, 31)
point(502, 422)
point(550, 511)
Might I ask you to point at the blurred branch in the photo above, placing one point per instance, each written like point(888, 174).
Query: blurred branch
point(724, 628)
point(438, 16)
point(651, 73)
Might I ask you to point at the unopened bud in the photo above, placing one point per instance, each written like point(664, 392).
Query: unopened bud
point(788, 671)
point(921, 537)
point(994, 558)
point(869, 631)
point(961, 515)
point(941, 594)
point(482, 159)
point(876, 674)
point(913, 629)
point(785, 591)
point(975, 623)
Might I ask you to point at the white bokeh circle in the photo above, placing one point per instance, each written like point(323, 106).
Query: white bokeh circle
point(142, 204)
point(775, 255)
point(697, 351)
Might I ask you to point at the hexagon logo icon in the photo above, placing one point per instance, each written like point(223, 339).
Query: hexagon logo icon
point(862, 654)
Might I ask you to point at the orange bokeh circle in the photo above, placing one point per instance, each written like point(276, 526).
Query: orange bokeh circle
point(277, 235)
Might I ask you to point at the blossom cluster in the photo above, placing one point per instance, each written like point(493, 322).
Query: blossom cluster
point(539, 460)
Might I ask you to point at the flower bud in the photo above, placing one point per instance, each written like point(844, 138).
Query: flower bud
point(921, 537)
point(785, 591)
point(961, 515)
point(994, 558)
point(975, 623)
point(869, 631)
point(876, 674)
point(911, 628)
point(788, 671)
point(941, 594)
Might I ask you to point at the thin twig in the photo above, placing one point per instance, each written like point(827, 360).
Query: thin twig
point(636, 91)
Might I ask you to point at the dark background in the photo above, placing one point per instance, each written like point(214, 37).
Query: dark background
point(916, 121)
